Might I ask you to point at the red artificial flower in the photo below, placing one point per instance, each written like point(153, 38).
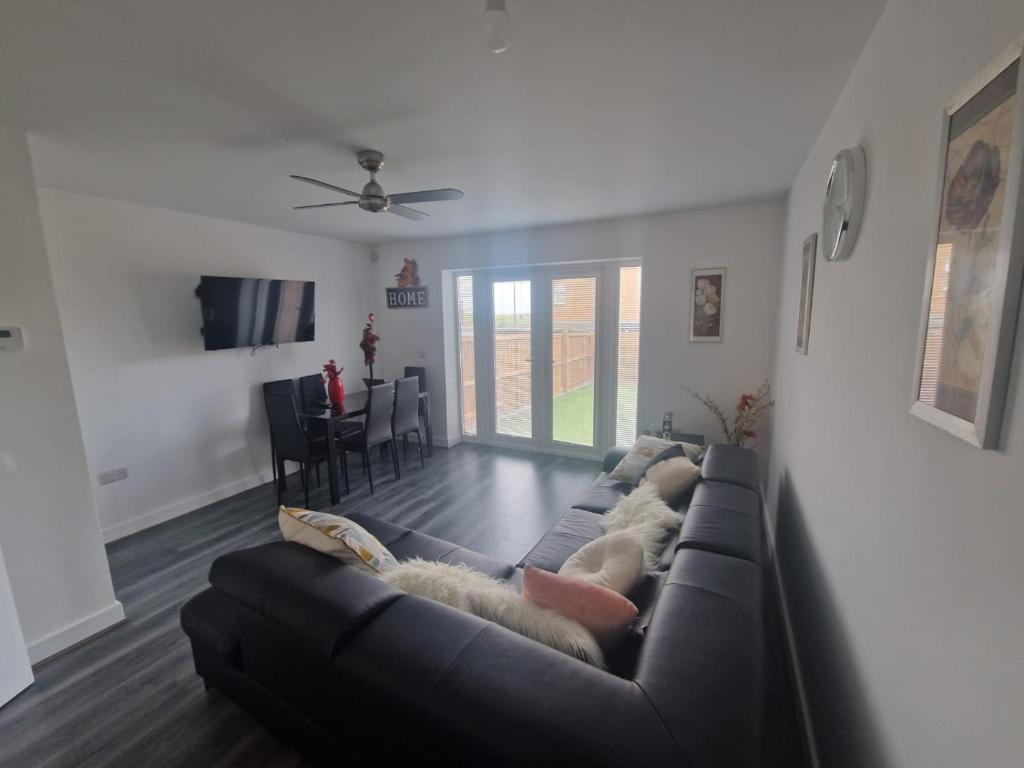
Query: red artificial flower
point(750, 433)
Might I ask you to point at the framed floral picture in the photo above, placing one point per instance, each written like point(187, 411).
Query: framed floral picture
point(973, 284)
point(707, 302)
point(803, 323)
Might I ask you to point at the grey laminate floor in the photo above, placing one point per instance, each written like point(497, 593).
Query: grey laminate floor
point(130, 697)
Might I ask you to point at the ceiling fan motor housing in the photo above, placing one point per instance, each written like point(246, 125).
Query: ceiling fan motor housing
point(373, 198)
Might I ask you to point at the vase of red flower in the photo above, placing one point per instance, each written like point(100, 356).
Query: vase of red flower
point(335, 387)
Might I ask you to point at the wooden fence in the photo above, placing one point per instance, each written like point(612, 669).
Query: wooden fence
point(573, 353)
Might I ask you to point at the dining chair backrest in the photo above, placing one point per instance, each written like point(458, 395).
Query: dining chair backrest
point(285, 429)
point(379, 407)
point(419, 372)
point(407, 405)
point(311, 388)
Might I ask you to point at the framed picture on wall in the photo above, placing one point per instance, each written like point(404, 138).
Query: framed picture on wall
point(803, 323)
point(973, 284)
point(707, 303)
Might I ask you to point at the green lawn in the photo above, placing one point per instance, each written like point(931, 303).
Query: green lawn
point(574, 416)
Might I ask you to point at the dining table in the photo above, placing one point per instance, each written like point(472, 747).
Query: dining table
point(338, 422)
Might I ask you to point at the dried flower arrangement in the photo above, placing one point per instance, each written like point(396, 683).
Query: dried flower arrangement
point(749, 411)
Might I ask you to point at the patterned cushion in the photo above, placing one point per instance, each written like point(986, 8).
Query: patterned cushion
point(646, 448)
point(335, 536)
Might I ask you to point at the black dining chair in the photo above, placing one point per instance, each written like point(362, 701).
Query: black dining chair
point(380, 405)
point(406, 418)
point(279, 387)
point(290, 440)
point(312, 391)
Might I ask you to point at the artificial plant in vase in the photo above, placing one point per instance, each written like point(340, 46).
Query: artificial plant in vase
point(749, 411)
point(369, 343)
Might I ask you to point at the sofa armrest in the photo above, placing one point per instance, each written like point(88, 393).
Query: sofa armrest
point(613, 457)
point(493, 697)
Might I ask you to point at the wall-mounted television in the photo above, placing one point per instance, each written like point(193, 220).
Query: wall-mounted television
point(251, 312)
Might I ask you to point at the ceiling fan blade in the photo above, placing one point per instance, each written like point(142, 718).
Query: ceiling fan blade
point(325, 205)
point(427, 196)
point(325, 185)
point(409, 213)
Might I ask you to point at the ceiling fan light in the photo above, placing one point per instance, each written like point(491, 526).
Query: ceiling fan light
point(496, 23)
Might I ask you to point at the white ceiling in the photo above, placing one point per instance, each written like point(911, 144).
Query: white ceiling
point(598, 108)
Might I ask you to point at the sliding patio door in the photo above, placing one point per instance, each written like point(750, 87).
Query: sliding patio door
point(544, 349)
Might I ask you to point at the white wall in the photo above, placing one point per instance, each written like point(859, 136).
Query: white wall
point(189, 425)
point(900, 545)
point(48, 525)
point(745, 239)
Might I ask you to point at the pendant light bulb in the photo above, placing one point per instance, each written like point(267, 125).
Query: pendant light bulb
point(496, 24)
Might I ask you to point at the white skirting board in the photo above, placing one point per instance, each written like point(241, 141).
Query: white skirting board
point(794, 657)
point(178, 508)
point(65, 637)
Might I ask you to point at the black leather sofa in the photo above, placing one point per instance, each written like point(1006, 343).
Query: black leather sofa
point(351, 671)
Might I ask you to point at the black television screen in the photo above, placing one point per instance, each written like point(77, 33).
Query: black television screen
point(250, 312)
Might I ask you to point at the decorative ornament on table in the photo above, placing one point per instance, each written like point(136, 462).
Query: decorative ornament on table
point(369, 343)
point(335, 387)
point(749, 411)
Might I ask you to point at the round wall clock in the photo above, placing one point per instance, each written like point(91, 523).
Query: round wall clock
point(844, 203)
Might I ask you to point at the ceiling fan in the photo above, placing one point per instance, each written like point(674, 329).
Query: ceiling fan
point(373, 199)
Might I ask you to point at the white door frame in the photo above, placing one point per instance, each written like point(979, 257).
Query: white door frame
point(606, 354)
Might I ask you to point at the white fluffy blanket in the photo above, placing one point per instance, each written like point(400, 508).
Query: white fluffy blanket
point(468, 590)
point(646, 516)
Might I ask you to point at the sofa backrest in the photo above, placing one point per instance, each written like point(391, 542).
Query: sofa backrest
point(702, 659)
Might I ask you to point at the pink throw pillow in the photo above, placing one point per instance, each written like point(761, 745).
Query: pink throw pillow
point(606, 614)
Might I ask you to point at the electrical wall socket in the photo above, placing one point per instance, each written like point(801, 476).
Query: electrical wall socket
point(112, 476)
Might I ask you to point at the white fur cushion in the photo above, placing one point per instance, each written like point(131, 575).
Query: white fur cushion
point(614, 561)
point(473, 592)
point(647, 517)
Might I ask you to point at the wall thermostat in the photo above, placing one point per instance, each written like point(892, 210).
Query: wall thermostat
point(10, 339)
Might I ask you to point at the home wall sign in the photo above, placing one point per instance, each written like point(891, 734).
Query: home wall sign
point(408, 293)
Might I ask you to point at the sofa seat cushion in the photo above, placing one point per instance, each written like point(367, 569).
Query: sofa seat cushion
point(576, 528)
point(406, 544)
point(602, 495)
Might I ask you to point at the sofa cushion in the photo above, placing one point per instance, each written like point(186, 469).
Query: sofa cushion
point(602, 495)
point(716, 494)
point(576, 528)
point(614, 561)
point(606, 614)
point(729, 464)
point(702, 660)
point(725, 531)
point(336, 536)
point(674, 478)
point(406, 544)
